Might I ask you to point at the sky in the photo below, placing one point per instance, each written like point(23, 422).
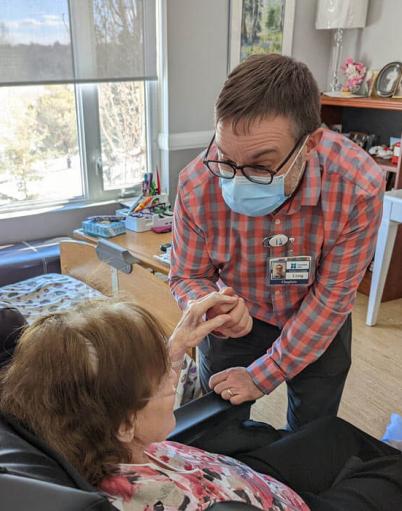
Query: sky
point(37, 21)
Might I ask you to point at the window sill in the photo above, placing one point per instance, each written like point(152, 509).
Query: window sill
point(51, 221)
point(55, 208)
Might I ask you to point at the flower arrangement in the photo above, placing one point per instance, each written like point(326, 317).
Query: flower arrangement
point(355, 72)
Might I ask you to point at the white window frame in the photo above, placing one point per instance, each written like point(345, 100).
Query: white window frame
point(89, 146)
point(89, 138)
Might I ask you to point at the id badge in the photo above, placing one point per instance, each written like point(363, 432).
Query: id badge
point(294, 270)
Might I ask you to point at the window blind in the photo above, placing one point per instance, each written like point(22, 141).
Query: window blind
point(76, 41)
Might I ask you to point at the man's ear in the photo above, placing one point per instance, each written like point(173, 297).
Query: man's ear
point(125, 433)
point(313, 140)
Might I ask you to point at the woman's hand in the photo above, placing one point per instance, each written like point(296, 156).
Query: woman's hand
point(193, 327)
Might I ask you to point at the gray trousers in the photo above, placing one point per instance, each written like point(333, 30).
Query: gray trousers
point(315, 392)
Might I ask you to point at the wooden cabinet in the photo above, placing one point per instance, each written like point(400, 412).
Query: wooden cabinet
point(382, 116)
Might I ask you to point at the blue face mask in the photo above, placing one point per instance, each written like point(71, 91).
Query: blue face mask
point(255, 199)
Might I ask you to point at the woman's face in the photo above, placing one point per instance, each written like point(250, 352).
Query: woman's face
point(156, 420)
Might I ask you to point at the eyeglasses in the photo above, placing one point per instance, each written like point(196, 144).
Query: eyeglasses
point(226, 169)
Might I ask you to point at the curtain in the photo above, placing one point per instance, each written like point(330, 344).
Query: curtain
point(76, 41)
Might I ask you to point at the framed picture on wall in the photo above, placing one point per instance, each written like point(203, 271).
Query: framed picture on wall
point(260, 26)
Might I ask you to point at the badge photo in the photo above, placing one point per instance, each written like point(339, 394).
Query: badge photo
point(278, 269)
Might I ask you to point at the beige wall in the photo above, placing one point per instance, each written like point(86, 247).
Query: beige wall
point(197, 48)
point(380, 42)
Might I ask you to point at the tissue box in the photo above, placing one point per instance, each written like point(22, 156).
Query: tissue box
point(139, 222)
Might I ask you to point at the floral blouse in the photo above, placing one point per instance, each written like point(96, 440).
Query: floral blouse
point(185, 478)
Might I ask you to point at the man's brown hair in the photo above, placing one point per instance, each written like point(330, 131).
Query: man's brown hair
point(270, 85)
point(77, 375)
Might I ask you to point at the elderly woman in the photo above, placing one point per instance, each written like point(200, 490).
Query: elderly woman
point(98, 384)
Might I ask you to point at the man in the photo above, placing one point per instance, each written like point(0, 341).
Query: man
point(278, 271)
point(273, 186)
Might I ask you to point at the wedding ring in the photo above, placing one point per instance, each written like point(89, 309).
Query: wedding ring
point(229, 391)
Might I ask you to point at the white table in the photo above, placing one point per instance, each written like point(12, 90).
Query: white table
point(391, 218)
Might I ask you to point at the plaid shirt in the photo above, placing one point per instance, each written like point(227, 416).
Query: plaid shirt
point(333, 217)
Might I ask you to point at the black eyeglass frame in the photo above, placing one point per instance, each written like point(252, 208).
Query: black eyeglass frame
point(235, 167)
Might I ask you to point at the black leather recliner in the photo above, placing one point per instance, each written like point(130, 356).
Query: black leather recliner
point(25, 260)
point(11, 324)
point(33, 477)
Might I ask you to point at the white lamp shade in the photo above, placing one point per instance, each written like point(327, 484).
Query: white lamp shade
point(341, 14)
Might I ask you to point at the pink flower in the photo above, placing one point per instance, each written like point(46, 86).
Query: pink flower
point(355, 72)
point(118, 486)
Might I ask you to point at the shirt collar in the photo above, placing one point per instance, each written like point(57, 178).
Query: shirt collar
point(309, 190)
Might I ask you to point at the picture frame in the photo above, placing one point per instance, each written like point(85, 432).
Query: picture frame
point(398, 91)
point(367, 87)
point(388, 79)
point(265, 27)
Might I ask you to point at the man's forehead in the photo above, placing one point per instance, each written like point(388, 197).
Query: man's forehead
point(249, 147)
point(272, 134)
point(245, 128)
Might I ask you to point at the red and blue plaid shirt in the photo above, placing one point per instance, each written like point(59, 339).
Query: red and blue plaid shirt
point(333, 217)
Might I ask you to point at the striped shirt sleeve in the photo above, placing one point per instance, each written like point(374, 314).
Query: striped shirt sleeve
point(309, 331)
point(192, 275)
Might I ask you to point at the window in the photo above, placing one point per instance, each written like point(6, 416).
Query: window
point(39, 154)
point(76, 95)
point(122, 129)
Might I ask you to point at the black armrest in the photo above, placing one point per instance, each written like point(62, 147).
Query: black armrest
point(196, 416)
point(19, 493)
point(21, 261)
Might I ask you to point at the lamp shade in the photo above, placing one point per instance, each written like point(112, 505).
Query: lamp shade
point(333, 14)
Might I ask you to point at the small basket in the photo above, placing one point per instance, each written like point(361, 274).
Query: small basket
point(106, 226)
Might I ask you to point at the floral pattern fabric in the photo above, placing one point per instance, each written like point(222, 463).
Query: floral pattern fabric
point(44, 294)
point(185, 478)
point(188, 385)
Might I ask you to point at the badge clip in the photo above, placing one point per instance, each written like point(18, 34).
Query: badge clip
point(277, 240)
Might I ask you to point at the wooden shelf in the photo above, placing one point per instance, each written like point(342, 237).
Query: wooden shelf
point(369, 102)
point(386, 164)
point(332, 112)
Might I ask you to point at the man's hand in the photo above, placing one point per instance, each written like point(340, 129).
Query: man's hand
point(239, 323)
point(235, 385)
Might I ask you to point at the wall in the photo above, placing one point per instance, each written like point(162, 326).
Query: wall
point(197, 51)
point(47, 224)
point(196, 38)
point(380, 41)
point(311, 46)
point(197, 60)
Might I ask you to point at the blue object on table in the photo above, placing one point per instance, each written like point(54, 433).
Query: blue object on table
point(106, 226)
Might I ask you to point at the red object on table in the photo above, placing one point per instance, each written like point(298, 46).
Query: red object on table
point(397, 152)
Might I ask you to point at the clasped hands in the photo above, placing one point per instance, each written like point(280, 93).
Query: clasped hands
point(226, 315)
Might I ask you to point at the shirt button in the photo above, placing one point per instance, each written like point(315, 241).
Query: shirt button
point(277, 221)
